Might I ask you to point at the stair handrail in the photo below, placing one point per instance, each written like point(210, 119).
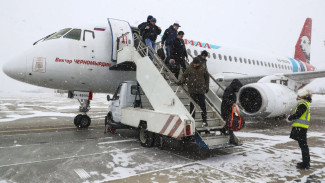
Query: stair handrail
point(150, 51)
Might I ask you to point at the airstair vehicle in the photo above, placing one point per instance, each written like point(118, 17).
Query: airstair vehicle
point(155, 104)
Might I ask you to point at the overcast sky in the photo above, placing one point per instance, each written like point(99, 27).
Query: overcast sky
point(269, 25)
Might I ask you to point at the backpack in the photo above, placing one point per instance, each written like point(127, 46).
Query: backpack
point(235, 122)
point(161, 53)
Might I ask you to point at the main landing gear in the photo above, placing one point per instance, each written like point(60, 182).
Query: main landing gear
point(83, 120)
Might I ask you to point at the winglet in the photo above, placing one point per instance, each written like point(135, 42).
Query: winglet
point(302, 51)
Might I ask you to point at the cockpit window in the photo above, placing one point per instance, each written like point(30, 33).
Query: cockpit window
point(58, 34)
point(74, 34)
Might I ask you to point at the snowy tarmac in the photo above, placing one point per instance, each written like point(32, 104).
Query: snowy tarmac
point(39, 143)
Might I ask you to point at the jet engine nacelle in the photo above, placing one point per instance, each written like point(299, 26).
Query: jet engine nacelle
point(266, 99)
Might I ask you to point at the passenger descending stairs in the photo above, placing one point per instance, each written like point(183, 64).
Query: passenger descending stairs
point(159, 85)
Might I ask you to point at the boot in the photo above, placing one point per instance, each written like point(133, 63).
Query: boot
point(303, 166)
point(204, 123)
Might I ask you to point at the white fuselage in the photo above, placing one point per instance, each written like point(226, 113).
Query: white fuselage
point(84, 64)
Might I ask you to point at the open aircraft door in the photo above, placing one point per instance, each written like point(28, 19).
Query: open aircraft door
point(121, 33)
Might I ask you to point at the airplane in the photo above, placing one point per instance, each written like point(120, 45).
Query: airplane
point(84, 61)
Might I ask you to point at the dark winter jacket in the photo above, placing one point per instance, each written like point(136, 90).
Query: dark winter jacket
point(298, 133)
point(196, 78)
point(178, 50)
point(152, 32)
point(142, 27)
point(203, 61)
point(169, 36)
point(229, 98)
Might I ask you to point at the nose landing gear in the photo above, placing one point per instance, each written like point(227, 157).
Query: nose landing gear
point(83, 120)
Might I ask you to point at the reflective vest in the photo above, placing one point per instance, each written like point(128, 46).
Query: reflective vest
point(304, 120)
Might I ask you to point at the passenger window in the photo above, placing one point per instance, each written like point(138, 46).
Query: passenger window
point(230, 59)
point(235, 59)
point(240, 59)
point(74, 34)
point(257, 62)
point(261, 63)
point(195, 53)
point(189, 51)
point(220, 57)
point(245, 61)
point(253, 62)
point(89, 35)
point(249, 61)
point(272, 65)
point(276, 66)
point(209, 55)
point(214, 56)
point(59, 34)
point(269, 64)
point(225, 57)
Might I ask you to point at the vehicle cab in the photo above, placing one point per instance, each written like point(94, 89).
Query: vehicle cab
point(127, 94)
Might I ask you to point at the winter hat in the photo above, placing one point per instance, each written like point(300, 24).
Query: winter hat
point(150, 17)
point(153, 20)
point(305, 92)
point(204, 53)
point(196, 60)
point(176, 24)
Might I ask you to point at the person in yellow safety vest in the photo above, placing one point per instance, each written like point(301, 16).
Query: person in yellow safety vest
point(301, 122)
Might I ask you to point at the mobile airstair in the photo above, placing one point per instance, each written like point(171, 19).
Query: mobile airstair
point(170, 102)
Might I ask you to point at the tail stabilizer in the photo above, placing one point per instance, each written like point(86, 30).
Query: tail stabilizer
point(302, 51)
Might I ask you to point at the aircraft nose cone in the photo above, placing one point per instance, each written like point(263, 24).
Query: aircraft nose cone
point(16, 68)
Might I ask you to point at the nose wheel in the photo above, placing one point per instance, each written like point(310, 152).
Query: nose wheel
point(82, 121)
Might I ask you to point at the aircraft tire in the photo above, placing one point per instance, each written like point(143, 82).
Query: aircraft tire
point(84, 121)
point(77, 120)
point(146, 138)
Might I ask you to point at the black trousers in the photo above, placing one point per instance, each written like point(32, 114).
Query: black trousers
point(200, 100)
point(180, 62)
point(304, 150)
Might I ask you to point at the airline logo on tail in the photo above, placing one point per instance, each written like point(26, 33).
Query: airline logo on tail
point(302, 52)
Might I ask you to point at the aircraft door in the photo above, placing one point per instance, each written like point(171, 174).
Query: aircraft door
point(89, 44)
point(121, 33)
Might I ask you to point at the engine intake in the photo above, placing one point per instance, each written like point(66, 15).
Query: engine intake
point(266, 99)
point(251, 100)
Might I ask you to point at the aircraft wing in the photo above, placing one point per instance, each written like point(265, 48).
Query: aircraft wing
point(297, 76)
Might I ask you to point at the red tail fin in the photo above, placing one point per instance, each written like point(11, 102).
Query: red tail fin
point(302, 52)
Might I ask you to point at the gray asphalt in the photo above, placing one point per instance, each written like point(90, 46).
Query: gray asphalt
point(41, 149)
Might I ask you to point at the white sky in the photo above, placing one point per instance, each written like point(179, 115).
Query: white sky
point(269, 25)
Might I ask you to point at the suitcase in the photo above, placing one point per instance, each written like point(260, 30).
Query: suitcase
point(235, 122)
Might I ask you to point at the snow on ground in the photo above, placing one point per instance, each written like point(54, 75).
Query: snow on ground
point(267, 154)
point(17, 106)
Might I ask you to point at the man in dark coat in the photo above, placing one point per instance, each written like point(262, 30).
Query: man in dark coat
point(301, 122)
point(178, 53)
point(169, 36)
point(151, 33)
point(203, 58)
point(143, 25)
point(197, 79)
point(228, 100)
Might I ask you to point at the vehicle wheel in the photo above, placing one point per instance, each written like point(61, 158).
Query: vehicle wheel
point(146, 138)
point(77, 120)
point(84, 121)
